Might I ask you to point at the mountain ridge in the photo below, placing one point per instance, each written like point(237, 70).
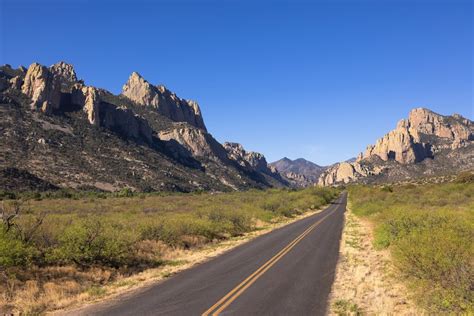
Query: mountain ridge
point(300, 172)
point(60, 131)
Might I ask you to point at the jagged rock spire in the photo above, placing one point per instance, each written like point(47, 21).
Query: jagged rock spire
point(167, 103)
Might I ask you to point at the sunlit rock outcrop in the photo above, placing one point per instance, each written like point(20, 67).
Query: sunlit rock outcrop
point(140, 91)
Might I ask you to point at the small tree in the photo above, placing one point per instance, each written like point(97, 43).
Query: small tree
point(7, 216)
point(14, 247)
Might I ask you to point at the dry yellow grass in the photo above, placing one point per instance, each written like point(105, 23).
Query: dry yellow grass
point(364, 282)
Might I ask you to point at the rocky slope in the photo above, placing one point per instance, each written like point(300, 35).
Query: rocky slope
point(58, 132)
point(426, 144)
point(140, 91)
point(299, 172)
point(250, 160)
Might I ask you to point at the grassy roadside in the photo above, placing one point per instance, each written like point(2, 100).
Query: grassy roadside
point(365, 282)
point(56, 249)
point(429, 231)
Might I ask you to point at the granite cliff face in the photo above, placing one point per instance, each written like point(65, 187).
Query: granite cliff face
point(247, 159)
point(198, 142)
point(421, 135)
point(88, 98)
point(255, 163)
point(64, 133)
point(418, 146)
point(140, 91)
point(65, 74)
point(43, 88)
point(346, 172)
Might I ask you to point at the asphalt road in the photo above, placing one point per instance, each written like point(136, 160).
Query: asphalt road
point(286, 272)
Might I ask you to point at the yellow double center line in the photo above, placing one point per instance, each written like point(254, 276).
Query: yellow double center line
point(239, 289)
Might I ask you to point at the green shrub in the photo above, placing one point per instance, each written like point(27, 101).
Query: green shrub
point(441, 259)
point(96, 228)
point(125, 192)
point(14, 252)
point(92, 241)
point(167, 231)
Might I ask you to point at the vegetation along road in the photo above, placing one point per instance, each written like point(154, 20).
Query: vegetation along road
point(286, 272)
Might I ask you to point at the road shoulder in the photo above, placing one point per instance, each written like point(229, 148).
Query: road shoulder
point(365, 282)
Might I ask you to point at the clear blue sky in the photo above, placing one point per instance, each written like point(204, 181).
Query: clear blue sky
point(318, 80)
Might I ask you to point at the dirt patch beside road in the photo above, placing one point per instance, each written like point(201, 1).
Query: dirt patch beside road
point(364, 282)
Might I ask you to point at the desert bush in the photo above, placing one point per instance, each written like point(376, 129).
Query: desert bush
point(13, 251)
point(168, 231)
point(429, 229)
point(93, 241)
point(440, 260)
point(233, 222)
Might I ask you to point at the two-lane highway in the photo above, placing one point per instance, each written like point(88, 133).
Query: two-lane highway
point(286, 272)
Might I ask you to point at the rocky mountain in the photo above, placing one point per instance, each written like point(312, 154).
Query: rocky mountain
point(140, 91)
point(426, 144)
point(299, 172)
point(250, 160)
point(56, 131)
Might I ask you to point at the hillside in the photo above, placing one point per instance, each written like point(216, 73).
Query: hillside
point(58, 132)
point(425, 145)
point(299, 172)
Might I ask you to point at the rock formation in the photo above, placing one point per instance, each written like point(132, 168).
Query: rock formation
point(42, 87)
point(346, 172)
point(16, 82)
point(412, 140)
point(423, 136)
point(66, 75)
point(88, 98)
point(456, 130)
point(399, 145)
point(296, 179)
point(197, 141)
point(140, 91)
point(248, 159)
